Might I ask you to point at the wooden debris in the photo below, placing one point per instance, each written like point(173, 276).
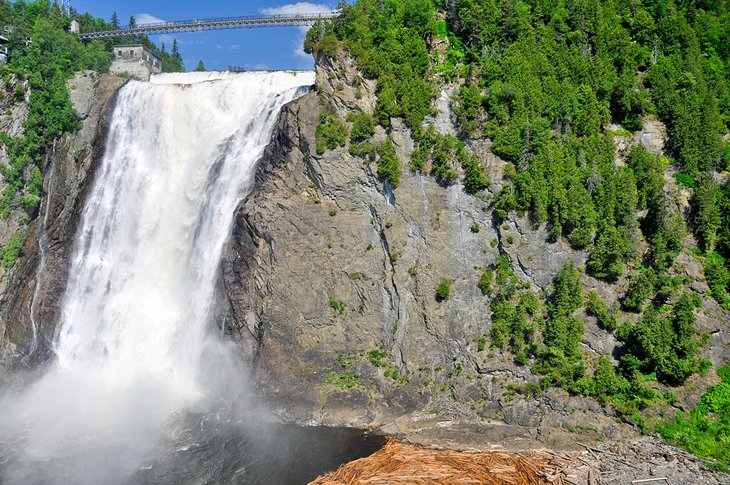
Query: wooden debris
point(398, 463)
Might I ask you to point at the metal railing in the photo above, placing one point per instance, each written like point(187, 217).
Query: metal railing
point(212, 24)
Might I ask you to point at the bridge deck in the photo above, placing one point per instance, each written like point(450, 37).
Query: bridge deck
point(212, 24)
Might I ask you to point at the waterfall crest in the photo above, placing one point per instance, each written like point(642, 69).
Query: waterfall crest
point(134, 346)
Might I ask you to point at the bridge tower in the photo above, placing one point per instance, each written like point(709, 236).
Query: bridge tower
point(66, 6)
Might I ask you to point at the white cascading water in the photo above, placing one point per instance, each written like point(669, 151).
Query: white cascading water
point(134, 345)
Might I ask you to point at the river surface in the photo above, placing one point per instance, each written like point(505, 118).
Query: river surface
point(204, 450)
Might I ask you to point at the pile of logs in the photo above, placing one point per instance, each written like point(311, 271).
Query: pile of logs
point(398, 463)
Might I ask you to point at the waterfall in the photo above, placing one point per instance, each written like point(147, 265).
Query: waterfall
point(134, 347)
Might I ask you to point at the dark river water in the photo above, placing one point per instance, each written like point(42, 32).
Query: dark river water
point(206, 450)
point(271, 454)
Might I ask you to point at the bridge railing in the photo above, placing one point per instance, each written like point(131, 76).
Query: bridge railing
point(212, 24)
point(327, 15)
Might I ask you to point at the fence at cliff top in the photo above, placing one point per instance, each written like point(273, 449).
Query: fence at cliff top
point(302, 19)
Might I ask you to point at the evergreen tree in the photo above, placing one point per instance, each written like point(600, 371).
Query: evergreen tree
point(567, 292)
point(115, 20)
point(200, 67)
point(132, 22)
point(175, 52)
point(707, 215)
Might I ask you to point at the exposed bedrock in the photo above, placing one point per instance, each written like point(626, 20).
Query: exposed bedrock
point(329, 283)
point(34, 289)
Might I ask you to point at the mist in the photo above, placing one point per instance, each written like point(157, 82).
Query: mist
point(137, 365)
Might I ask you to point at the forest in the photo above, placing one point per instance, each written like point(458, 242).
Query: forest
point(46, 55)
point(552, 84)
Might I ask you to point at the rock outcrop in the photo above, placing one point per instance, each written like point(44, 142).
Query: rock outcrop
point(35, 287)
point(329, 282)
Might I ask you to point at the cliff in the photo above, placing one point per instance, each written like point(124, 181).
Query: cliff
point(329, 282)
point(32, 292)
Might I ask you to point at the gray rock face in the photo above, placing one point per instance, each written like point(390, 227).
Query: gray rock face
point(652, 136)
point(30, 309)
point(329, 283)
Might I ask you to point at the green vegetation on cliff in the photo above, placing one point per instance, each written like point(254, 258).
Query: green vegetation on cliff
point(43, 57)
point(705, 430)
point(543, 81)
point(46, 63)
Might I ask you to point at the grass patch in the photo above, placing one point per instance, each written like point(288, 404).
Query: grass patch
point(705, 431)
point(443, 290)
point(337, 306)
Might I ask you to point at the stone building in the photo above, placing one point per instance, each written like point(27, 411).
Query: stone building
point(136, 61)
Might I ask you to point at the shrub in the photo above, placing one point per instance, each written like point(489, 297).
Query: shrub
point(686, 180)
point(568, 291)
point(443, 290)
point(640, 289)
point(608, 382)
point(377, 357)
point(331, 133)
point(12, 250)
point(442, 158)
point(366, 150)
point(597, 308)
point(611, 250)
point(718, 278)
point(321, 39)
point(388, 163)
point(363, 126)
point(337, 306)
point(667, 346)
point(485, 281)
point(705, 431)
point(474, 178)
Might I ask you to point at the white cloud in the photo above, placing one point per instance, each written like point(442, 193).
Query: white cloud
point(146, 18)
point(295, 8)
point(299, 50)
point(235, 47)
point(166, 39)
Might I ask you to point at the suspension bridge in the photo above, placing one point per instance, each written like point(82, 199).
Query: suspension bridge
point(171, 27)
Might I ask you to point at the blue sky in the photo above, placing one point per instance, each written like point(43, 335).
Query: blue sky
point(262, 48)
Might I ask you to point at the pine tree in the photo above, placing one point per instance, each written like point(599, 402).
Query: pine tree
point(115, 20)
point(707, 213)
point(56, 10)
point(200, 67)
point(175, 52)
point(132, 22)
